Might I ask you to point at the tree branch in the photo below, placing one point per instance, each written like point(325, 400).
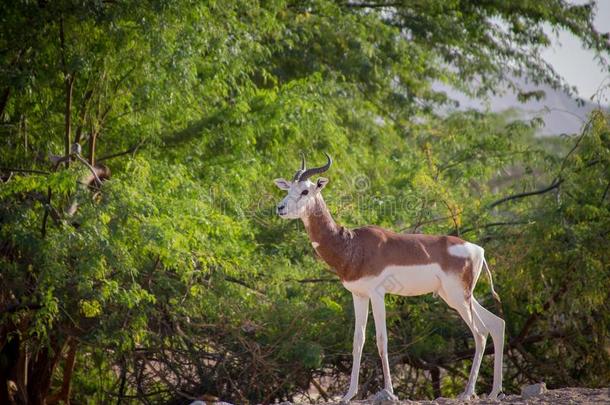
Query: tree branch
point(133, 149)
point(83, 161)
point(555, 184)
point(489, 225)
point(19, 170)
point(316, 280)
point(321, 390)
point(81, 117)
point(243, 284)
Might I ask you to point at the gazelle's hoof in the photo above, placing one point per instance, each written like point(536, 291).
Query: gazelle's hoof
point(496, 396)
point(385, 395)
point(347, 398)
point(465, 396)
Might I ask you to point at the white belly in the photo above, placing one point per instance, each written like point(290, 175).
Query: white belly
point(400, 280)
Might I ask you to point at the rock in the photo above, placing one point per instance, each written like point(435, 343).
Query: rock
point(529, 391)
point(384, 395)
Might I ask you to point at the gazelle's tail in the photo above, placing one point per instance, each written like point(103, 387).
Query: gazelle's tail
point(491, 281)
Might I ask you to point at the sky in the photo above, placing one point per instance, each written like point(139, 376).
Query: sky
point(559, 111)
point(576, 64)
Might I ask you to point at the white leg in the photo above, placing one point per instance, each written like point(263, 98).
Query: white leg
point(377, 302)
point(495, 327)
point(454, 296)
point(361, 310)
point(479, 332)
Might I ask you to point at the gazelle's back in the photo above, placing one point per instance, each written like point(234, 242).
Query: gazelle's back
point(377, 248)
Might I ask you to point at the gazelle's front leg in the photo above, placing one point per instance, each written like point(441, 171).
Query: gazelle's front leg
point(361, 310)
point(377, 302)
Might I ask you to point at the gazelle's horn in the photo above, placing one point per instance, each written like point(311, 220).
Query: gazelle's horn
point(316, 170)
point(299, 172)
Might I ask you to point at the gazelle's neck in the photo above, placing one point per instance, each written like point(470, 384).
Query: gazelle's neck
point(328, 239)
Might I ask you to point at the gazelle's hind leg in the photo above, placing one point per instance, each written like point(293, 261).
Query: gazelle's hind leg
point(495, 327)
point(454, 295)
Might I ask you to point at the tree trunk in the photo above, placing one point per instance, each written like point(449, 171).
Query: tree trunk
point(436, 381)
point(68, 117)
point(69, 82)
point(41, 369)
point(4, 100)
point(92, 145)
point(24, 131)
point(82, 115)
point(21, 377)
point(9, 358)
point(64, 393)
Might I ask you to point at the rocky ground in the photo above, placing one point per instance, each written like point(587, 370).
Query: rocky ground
point(554, 397)
point(533, 394)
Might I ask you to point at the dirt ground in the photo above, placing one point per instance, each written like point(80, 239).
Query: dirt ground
point(554, 397)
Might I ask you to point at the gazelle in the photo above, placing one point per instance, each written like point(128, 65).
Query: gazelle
point(372, 261)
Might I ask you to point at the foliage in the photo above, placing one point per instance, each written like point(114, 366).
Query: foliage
point(174, 279)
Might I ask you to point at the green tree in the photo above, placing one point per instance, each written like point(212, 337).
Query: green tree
point(172, 278)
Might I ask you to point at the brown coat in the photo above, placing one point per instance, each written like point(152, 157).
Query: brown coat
point(366, 251)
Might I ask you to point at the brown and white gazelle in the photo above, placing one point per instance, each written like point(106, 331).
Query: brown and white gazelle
point(372, 261)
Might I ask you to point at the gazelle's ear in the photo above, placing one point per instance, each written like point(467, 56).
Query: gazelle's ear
point(321, 183)
point(282, 184)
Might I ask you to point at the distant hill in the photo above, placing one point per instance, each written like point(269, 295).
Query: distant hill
point(560, 112)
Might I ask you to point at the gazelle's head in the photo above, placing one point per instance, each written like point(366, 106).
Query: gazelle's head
point(301, 191)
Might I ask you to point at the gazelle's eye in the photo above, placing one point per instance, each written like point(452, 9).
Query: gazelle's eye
point(305, 192)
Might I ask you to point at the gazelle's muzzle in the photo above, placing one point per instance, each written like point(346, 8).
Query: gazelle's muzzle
point(280, 209)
